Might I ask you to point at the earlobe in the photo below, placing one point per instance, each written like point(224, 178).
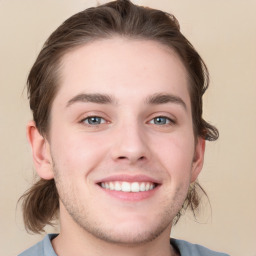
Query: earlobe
point(198, 160)
point(41, 152)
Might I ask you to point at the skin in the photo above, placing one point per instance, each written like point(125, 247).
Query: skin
point(128, 140)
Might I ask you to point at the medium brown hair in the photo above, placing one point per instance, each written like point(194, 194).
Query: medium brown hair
point(117, 18)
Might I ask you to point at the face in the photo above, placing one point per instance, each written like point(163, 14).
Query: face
point(121, 145)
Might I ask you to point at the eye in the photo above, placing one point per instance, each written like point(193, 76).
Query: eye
point(161, 120)
point(94, 120)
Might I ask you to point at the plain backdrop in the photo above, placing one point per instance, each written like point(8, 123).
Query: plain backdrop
point(224, 33)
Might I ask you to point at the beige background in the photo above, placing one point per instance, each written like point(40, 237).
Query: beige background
point(224, 33)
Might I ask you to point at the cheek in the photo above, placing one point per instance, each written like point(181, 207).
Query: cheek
point(176, 153)
point(77, 153)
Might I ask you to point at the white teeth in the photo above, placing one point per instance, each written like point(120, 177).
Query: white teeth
point(142, 186)
point(135, 187)
point(128, 186)
point(118, 186)
point(111, 186)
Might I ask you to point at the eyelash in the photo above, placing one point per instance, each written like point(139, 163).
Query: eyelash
point(91, 118)
point(167, 121)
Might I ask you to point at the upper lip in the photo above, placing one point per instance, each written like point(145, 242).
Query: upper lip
point(129, 178)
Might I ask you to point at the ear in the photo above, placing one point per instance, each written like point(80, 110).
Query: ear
point(41, 152)
point(198, 160)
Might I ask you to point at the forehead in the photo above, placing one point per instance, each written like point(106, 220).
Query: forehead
point(120, 66)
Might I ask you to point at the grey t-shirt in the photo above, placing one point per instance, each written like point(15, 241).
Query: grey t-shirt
point(44, 248)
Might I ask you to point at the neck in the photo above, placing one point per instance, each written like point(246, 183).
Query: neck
point(73, 245)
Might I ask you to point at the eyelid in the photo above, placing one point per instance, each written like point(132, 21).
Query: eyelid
point(168, 122)
point(168, 116)
point(171, 119)
point(88, 117)
point(91, 114)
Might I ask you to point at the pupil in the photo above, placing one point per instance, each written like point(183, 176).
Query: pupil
point(160, 120)
point(94, 120)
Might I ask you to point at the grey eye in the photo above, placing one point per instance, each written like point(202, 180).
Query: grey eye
point(94, 120)
point(160, 120)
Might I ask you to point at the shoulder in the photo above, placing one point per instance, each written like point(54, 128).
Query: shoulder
point(188, 249)
point(42, 248)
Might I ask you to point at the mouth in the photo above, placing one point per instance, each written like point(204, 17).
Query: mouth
point(129, 187)
point(125, 186)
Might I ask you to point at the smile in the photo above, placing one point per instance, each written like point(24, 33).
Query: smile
point(125, 186)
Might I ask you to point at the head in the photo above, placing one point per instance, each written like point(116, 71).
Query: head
point(119, 21)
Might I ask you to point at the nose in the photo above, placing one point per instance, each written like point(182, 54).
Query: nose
point(130, 145)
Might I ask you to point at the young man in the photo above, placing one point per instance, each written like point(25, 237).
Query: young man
point(118, 136)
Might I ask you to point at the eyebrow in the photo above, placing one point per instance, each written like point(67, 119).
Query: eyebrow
point(93, 98)
point(163, 98)
point(155, 99)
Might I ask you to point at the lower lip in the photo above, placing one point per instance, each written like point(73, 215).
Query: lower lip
point(131, 196)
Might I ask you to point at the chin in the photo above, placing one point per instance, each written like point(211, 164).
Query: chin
point(128, 238)
point(131, 233)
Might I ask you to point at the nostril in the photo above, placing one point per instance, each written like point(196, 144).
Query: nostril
point(138, 159)
point(122, 157)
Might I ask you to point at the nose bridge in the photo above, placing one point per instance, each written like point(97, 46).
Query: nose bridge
point(130, 141)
